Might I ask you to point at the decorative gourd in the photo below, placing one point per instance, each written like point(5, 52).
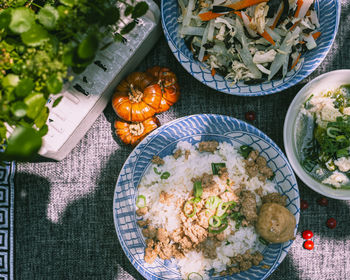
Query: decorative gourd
point(139, 97)
point(135, 99)
point(133, 133)
point(167, 84)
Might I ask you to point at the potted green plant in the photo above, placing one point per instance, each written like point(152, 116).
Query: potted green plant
point(41, 43)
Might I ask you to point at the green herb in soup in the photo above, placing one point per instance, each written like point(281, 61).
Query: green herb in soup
point(324, 136)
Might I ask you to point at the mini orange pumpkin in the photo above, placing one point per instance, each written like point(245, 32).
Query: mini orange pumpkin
point(133, 133)
point(134, 99)
point(167, 83)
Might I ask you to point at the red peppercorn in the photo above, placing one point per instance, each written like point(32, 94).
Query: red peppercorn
point(322, 201)
point(331, 223)
point(307, 234)
point(250, 116)
point(303, 204)
point(309, 244)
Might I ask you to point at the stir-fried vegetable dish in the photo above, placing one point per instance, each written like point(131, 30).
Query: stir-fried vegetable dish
point(249, 40)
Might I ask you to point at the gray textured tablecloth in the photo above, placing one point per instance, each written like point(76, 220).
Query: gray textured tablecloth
point(63, 219)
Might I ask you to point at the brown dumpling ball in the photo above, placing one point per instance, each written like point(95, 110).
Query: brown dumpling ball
point(275, 223)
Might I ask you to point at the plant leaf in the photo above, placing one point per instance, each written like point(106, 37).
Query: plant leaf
point(35, 103)
point(3, 131)
point(69, 3)
point(5, 18)
point(111, 16)
point(48, 16)
point(24, 87)
point(44, 130)
point(10, 80)
point(36, 36)
point(128, 10)
point(23, 144)
point(140, 9)
point(54, 84)
point(22, 20)
point(19, 109)
point(127, 28)
point(88, 47)
point(57, 101)
point(40, 121)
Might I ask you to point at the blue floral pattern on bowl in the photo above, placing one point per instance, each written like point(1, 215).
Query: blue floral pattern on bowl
point(163, 142)
point(328, 14)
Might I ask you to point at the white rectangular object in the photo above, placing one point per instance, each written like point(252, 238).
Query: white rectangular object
point(89, 93)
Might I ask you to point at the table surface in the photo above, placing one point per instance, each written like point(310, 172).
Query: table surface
point(63, 210)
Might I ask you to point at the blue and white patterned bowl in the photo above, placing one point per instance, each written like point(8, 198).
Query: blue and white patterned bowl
point(162, 142)
point(328, 14)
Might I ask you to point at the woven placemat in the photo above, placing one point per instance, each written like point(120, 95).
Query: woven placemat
point(7, 171)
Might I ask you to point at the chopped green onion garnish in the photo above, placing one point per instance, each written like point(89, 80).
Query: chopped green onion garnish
point(214, 221)
point(215, 167)
point(342, 153)
point(307, 104)
point(194, 276)
point(196, 200)
point(141, 201)
point(263, 241)
point(212, 202)
point(165, 175)
point(220, 229)
point(340, 138)
point(309, 164)
point(331, 130)
point(272, 176)
point(238, 217)
point(186, 206)
point(156, 171)
point(222, 208)
point(245, 151)
point(198, 190)
point(228, 182)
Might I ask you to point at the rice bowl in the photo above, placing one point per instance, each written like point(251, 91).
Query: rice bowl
point(163, 142)
point(178, 186)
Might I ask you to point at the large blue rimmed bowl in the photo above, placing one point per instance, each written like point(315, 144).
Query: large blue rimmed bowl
point(162, 142)
point(328, 14)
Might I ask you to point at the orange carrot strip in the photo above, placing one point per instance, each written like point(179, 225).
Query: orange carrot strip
point(301, 42)
point(316, 35)
point(277, 17)
point(268, 37)
point(209, 15)
point(237, 6)
point(205, 57)
point(295, 62)
point(299, 4)
point(238, 13)
point(294, 25)
point(213, 72)
point(245, 4)
point(264, 34)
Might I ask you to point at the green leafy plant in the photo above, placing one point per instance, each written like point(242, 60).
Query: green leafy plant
point(40, 43)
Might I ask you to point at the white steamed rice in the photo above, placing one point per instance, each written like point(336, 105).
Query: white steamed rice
point(180, 185)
